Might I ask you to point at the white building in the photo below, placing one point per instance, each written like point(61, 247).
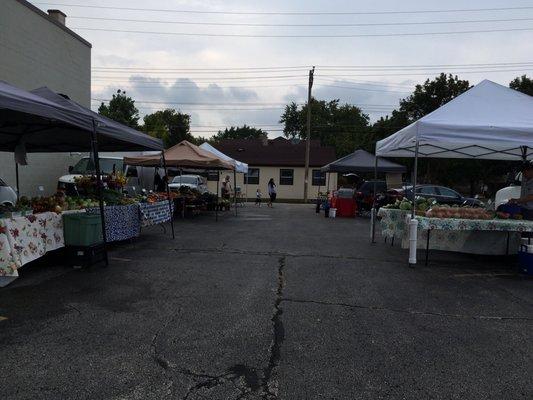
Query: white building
point(37, 49)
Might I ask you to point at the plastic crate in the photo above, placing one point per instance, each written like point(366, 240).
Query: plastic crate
point(82, 229)
point(85, 256)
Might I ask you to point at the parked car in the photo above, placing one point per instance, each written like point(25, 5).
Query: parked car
point(85, 166)
point(364, 195)
point(8, 196)
point(442, 194)
point(191, 181)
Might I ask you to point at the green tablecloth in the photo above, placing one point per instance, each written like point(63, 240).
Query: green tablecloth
point(460, 235)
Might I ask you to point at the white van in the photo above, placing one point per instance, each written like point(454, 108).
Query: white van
point(138, 177)
point(7, 195)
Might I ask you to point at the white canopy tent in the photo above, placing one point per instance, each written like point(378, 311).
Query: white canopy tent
point(489, 121)
point(240, 167)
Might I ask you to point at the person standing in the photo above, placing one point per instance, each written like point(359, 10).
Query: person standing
point(526, 198)
point(271, 192)
point(226, 188)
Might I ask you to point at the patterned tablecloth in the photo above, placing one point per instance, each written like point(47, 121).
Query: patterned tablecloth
point(24, 239)
point(155, 213)
point(461, 235)
point(122, 222)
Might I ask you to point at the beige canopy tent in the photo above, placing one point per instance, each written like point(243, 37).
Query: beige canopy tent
point(183, 155)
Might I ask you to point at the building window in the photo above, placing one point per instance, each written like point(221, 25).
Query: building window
point(213, 176)
point(319, 178)
point(252, 177)
point(286, 177)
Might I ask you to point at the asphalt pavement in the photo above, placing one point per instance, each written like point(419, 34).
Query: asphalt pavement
point(275, 303)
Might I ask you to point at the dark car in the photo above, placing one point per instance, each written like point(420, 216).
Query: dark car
point(442, 194)
point(364, 195)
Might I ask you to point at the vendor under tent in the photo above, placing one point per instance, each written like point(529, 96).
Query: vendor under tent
point(489, 121)
point(240, 167)
point(31, 123)
point(184, 155)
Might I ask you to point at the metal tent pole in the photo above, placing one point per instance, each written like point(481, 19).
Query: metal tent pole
point(99, 185)
point(373, 212)
point(216, 208)
point(17, 178)
point(413, 223)
point(235, 190)
point(168, 194)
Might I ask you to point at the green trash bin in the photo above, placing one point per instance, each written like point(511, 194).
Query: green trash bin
point(82, 229)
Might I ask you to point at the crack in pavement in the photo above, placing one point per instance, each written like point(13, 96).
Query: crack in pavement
point(278, 335)
point(228, 250)
point(242, 375)
point(411, 312)
point(162, 361)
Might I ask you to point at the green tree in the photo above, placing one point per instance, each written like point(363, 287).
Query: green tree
point(121, 108)
point(431, 95)
point(523, 84)
point(345, 127)
point(242, 132)
point(169, 125)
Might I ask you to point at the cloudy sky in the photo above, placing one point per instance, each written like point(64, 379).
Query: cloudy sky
point(237, 62)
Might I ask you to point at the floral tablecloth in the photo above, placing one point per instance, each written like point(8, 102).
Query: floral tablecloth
point(121, 222)
point(155, 213)
point(465, 236)
point(24, 239)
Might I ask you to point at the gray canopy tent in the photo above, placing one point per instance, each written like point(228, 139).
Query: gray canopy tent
point(362, 161)
point(30, 123)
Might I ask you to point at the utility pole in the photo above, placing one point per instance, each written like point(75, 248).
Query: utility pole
point(308, 139)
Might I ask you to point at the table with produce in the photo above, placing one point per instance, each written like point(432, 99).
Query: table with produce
point(30, 229)
point(154, 209)
point(451, 228)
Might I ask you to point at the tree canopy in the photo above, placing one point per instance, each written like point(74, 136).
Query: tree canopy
point(241, 132)
point(522, 84)
point(169, 125)
point(121, 108)
point(344, 127)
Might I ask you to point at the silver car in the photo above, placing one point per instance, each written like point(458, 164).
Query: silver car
point(7, 195)
point(191, 181)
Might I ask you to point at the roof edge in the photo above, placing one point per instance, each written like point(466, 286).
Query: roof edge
point(40, 12)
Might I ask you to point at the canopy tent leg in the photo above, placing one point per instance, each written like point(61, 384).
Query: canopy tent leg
point(168, 194)
point(216, 204)
point(17, 178)
point(99, 185)
point(413, 223)
point(235, 190)
point(373, 212)
point(327, 189)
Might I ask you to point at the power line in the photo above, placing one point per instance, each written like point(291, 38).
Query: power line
point(293, 25)
point(359, 35)
point(224, 104)
point(328, 67)
point(292, 12)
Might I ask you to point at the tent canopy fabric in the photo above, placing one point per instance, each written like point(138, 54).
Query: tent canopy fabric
point(362, 161)
point(113, 136)
point(489, 121)
point(42, 125)
point(183, 155)
point(240, 167)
